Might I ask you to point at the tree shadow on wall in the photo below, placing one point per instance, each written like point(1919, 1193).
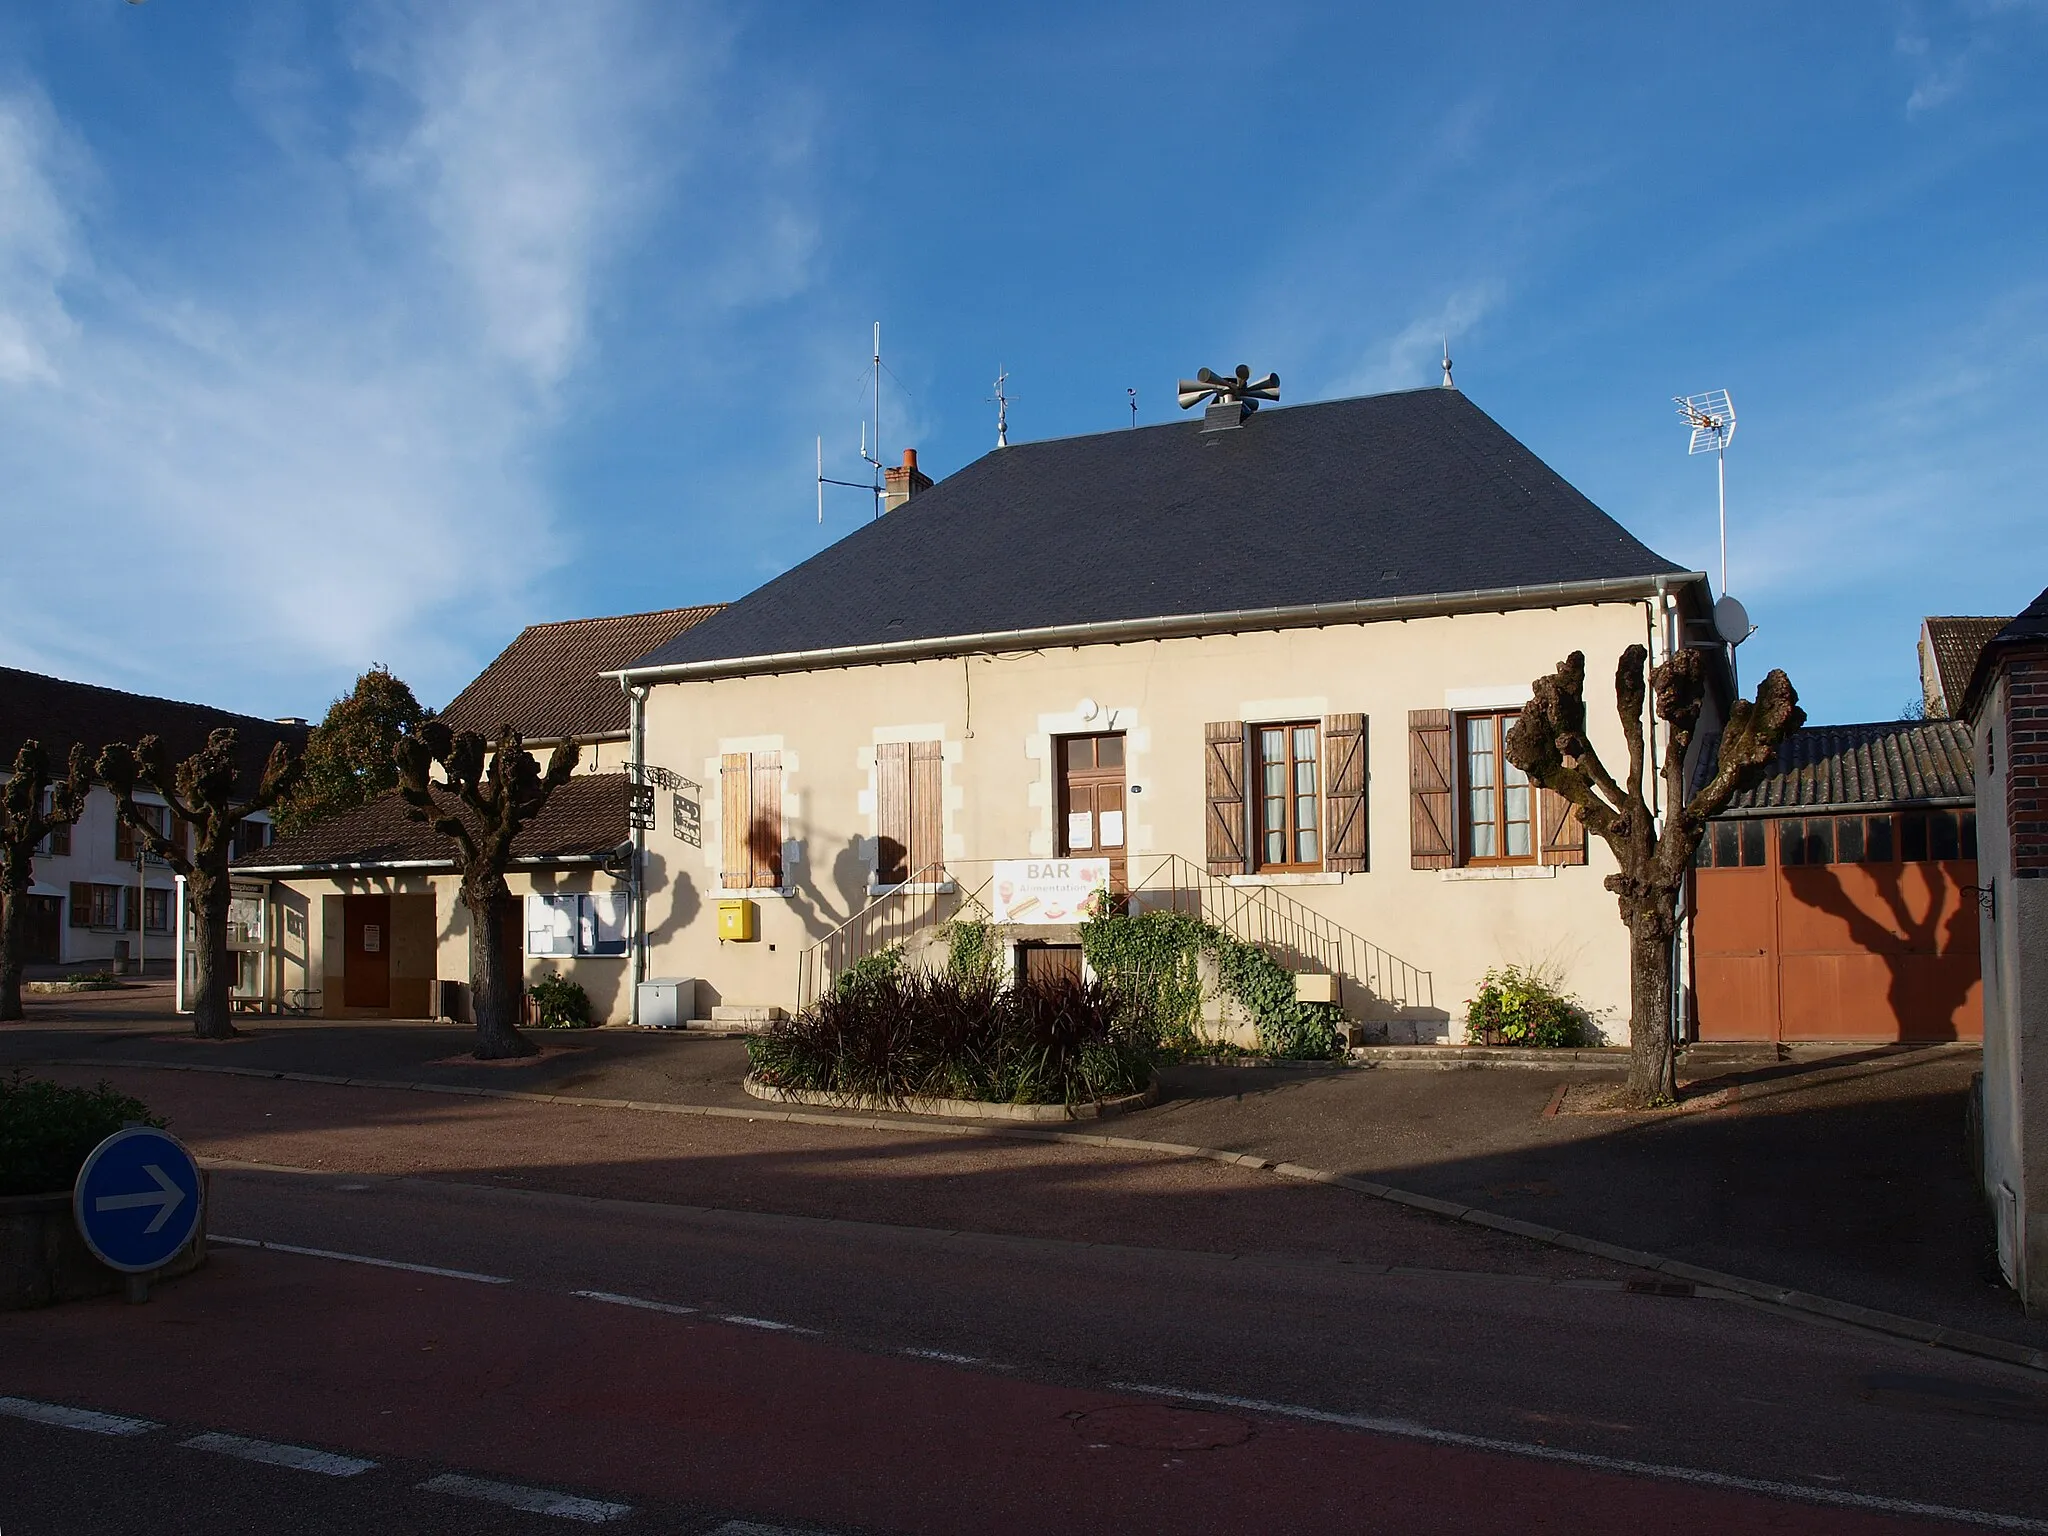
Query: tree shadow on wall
point(1927, 955)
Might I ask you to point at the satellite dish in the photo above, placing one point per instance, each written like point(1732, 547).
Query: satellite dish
point(1087, 709)
point(1731, 620)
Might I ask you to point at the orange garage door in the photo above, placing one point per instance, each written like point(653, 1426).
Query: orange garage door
point(1858, 927)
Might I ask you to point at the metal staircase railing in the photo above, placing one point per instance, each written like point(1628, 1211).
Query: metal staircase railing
point(1295, 934)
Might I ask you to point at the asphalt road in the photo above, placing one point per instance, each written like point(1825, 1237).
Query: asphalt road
point(827, 1374)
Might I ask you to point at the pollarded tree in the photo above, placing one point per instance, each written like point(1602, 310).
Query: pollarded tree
point(481, 807)
point(348, 756)
point(1549, 743)
point(201, 794)
point(24, 822)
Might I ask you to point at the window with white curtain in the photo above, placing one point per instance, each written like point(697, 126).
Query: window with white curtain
point(587, 923)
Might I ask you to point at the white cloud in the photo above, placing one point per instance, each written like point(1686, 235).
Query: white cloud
point(327, 436)
point(1414, 355)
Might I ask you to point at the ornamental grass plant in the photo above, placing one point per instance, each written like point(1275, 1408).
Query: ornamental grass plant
point(905, 1034)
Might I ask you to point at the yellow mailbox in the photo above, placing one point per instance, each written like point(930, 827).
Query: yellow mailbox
point(736, 919)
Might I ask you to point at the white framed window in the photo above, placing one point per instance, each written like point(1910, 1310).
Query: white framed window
point(587, 923)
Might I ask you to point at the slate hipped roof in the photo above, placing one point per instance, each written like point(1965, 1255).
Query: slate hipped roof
point(1957, 641)
point(549, 681)
point(584, 820)
point(1383, 497)
point(57, 713)
point(1885, 765)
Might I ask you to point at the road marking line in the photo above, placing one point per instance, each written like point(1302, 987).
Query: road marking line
point(357, 1258)
point(535, 1501)
point(635, 1301)
point(272, 1454)
point(1412, 1431)
point(760, 1322)
point(948, 1356)
point(74, 1418)
point(755, 1528)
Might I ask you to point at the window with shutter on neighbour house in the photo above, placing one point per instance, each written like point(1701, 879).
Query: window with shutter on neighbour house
point(1307, 787)
point(750, 819)
point(1468, 805)
point(909, 811)
point(156, 909)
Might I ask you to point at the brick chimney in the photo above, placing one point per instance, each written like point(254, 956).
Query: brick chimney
point(899, 485)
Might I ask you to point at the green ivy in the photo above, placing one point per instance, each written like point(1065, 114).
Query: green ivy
point(1156, 954)
point(971, 951)
point(883, 966)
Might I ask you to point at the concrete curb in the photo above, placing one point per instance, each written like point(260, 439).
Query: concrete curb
point(1786, 1297)
point(961, 1109)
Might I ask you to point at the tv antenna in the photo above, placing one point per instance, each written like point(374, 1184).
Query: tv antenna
point(1001, 402)
point(1712, 419)
point(871, 428)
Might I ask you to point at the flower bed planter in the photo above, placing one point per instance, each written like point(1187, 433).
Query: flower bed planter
point(958, 1109)
point(43, 1260)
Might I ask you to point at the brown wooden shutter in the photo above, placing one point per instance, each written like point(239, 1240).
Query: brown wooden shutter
point(735, 814)
point(764, 833)
point(1564, 835)
point(1223, 777)
point(124, 840)
point(1344, 825)
point(892, 812)
point(927, 806)
point(1431, 801)
point(81, 904)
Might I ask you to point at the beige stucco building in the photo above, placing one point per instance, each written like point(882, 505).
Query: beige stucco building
point(1261, 663)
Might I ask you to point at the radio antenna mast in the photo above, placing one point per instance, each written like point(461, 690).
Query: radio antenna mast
point(1712, 419)
point(1134, 405)
point(870, 428)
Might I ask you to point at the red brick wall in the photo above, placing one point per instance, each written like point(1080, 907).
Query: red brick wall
point(2025, 746)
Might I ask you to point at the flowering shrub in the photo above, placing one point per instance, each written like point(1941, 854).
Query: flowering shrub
point(1522, 1005)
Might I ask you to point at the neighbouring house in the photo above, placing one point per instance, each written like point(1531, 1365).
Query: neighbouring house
point(1835, 899)
point(366, 919)
point(1254, 665)
point(2006, 702)
point(1949, 648)
point(97, 900)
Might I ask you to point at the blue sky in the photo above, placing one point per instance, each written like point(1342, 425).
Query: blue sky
point(339, 333)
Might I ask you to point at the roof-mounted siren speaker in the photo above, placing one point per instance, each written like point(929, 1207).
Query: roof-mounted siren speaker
point(1232, 397)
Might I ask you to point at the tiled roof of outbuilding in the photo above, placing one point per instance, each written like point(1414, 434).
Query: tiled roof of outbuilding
point(1957, 641)
point(58, 713)
point(547, 682)
point(584, 819)
point(1855, 767)
point(1345, 501)
point(2028, 628)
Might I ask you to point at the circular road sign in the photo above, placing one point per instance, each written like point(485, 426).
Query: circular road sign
point(137, 1199)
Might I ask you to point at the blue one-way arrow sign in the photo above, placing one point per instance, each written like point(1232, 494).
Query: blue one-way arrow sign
point(137, 1199)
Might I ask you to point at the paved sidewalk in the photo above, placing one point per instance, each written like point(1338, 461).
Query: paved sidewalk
point(1845, 1175)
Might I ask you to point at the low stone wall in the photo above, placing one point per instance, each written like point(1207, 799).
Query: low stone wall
point(957, 1109)
point(43, 1260)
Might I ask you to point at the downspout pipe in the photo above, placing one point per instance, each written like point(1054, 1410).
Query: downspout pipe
point(636, 695)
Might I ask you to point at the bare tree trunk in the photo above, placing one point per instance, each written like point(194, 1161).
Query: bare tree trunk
point(1652, 1065)
point(495, 990)
point(13, 940)
point(213, 962)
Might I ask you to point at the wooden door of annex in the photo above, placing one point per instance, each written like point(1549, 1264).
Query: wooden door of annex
point(1091, 801)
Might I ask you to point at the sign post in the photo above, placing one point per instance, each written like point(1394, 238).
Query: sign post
point(138, 1202)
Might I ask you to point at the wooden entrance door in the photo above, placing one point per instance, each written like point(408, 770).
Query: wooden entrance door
point(366, 952)
point(1048, 962)
point(43, 929)
point(1091, 801)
